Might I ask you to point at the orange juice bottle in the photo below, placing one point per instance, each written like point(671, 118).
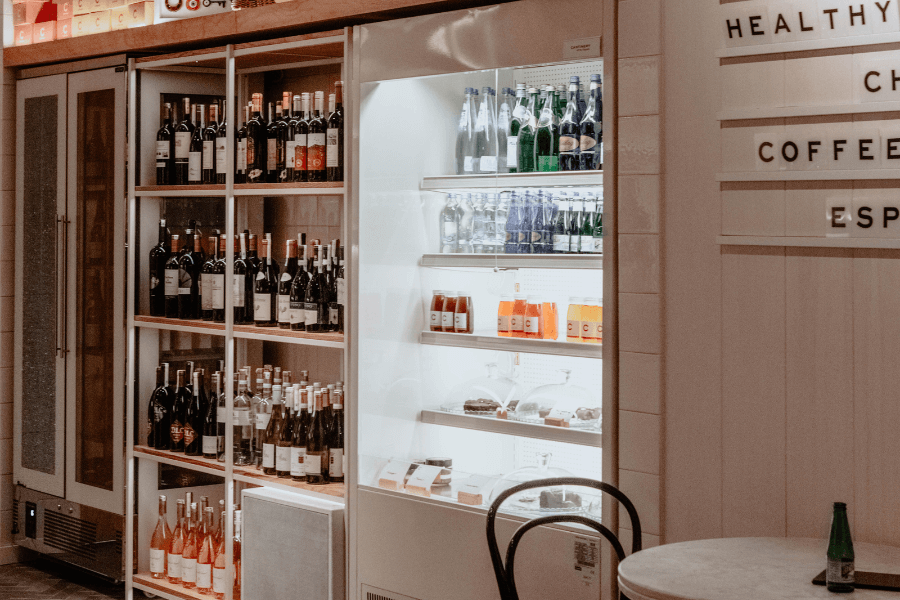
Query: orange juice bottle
point(573, 320)
point(504, 314)
point(551, 329)
point(534, 319)
point(517, 320)
point(600, 324)
point(590, 321)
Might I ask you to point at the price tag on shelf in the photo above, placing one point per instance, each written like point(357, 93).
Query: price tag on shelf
point(391, 477)
point(422, 479)
point(473, 490)
point(558, 418)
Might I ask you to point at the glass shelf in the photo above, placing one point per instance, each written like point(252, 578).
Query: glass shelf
point(509, 344)
point(584, 437)
point(515, 261)
point(513, 180)
point(249, 332)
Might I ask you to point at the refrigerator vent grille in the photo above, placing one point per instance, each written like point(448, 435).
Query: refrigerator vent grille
point(15, 516)
point(70, 534)
point(373, 593)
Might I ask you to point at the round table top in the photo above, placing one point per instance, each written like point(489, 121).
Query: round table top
point(745, 568)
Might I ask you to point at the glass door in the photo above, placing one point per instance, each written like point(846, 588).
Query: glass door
point(96, 308)
point(40, 336)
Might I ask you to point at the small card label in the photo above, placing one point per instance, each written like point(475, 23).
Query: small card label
point(422, 479)
point(472, 490)
point(582, 48)
point(391, 477)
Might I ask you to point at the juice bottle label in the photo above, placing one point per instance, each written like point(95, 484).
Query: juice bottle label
point(436, 318)
point(574, 329)
point(597, 333)
point(503, 324)
point(532, 325)
point(587, 330)
point(447, 320)
point(461, 322)
point(517, 323)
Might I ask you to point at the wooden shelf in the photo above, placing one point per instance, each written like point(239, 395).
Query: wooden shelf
point(197, 463)
point(242, 189)
point(493, 342)
point(184, 191)
point(162, 587)
point(515, 261)
point(257, 477)
point(584, 437)
point(250, 332)
point(513, 180)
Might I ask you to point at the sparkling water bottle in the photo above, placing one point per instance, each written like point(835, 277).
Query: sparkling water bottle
point(449, 225)
point(478, 224)
point(466, 223)
point(514, 221)
point(465, 140)
point(490, 223)
point(500, 221)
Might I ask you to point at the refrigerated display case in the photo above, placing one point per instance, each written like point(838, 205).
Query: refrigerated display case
point(435, 440)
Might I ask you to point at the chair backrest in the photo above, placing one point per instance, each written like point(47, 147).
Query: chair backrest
point(505, 574)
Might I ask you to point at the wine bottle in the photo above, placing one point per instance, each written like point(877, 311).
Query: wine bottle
point(273, 431)
point(208, 134)
point(193, 420)
point(240, 158)
point(517, 119)
point(236, 553)
point(301, 132)
point(282, 135)
point(285, 283)
point(272, 145)
point(298, 288)
point(335, 137)
point(261, 409)
point(165, 148)
point(336, 439)
point(300, 434)
point(546, 137)
point(314, 294)
point(253, 263)
point(570, 132)
point(317, 445)
point(291, 118)
point(283, 444)
point(179, 412)
point(206, 554)
point(265, 288)
point(331, 279)
point(170, 284)
point(576, 220)
point(525, 144)
point(189, 555)
point(176, 546)
point(218, 570)
point(211, 423)
point(220, 415)
point(159, 542)
point(318, 129)
point(217, 282)
point(221, 131)
point(159, 412)
point(239, 283)
point(256, 144)
point(188, 282)
point(241, 425)
point(195, 153)
point(340, 284)
point(159, 254)
point(206, 284)
point(591, 129)
point(182, 145)
point(840, 573)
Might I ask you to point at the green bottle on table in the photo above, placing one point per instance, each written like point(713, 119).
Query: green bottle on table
point(839, 576)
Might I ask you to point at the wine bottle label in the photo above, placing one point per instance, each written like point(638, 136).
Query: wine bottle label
point(189, 570)
point(315, 152)
point(561, 243)
point(313, 463)
point(205, 299)
point(587, 243)
point(517, 323)
point(174, 564)
point(284, 308)
point(272, 155)
point(336, 462)
point(262, 421)
point(268, 459)
point(220, 154)
point(241, 417)
point(488, 164)
point(568, 144)
point(171, 282)
point(237, 290)
point(298, 463)
point(162, 150)
point(447, 320)
point(300, 153)
point(182, 144)
point(531, 325)
point(590, 206)
point(503, 323)
point(189, 435)
point(285, 276)
point(290, 153)
point(588, 143)
point(176, 431)
point(297, 313)
point(210, 444)
point(548, 163)
point(341, 285)
point(262, 307)
point(512, 143)
point(523, 237)
point(468, 164)
point(217, 289)
point(461, 321)
point(840, 571)
point(331, 145)
point(220, 414)
point(311, 313)
point(218, 577)
point(209, 152)
point(242, 156)
point(260, 275)
point(283, 458)
point(157, 561)
point(573, 329)
point(204, 576)
point(598, 244)
point(194, 164)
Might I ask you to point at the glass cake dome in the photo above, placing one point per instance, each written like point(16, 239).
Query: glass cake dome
point(571, 403)
point(483, 396)
point(560, 499)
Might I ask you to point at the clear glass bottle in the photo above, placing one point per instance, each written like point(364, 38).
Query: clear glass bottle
point(176, 546)
point(449, 225)
point(465, 140)
point(243, 431)
point(206, 553)
point(486, 148)
point(490, 223)
point(517, 119)
point(189, 555)
point(159, 543)
point(273, 432)
point(218, 570)
point(466, 223)
point(478, 224)
point(262, 411)
point(504, 117)
point(500, 219)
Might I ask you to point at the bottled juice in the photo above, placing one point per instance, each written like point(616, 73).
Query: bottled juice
point(447, 313)
point(504, 313)
point(551, 328)
point(600, 323)
point(590, 321)
point(573, 320)
point(463, 318)
point(437, 310)
point(534, 319)
point(517, 320)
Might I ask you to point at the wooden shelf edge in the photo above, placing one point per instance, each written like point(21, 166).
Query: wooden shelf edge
point(255, 477)
point(482, 341)
point(266, 334)
point(196, 463)
point(162, 587)
point(583, 437)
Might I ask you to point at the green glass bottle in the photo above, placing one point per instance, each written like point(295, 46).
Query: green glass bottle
point(598, 228)
point(546, 139)
point(559, 102)
point(525, 145)
point(839, 576)
point(517, 119)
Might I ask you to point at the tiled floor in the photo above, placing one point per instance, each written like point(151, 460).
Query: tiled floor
point(46, 580)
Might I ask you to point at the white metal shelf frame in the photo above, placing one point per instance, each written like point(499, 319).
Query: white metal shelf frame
point(229, 194)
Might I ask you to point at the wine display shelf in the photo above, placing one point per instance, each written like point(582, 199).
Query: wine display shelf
point(583, 437)
point(250, 332)
point(510, 181)
point(243, 189)
point(164, 589)
point(514, 261)
point(249, 475)
point(510, 344)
